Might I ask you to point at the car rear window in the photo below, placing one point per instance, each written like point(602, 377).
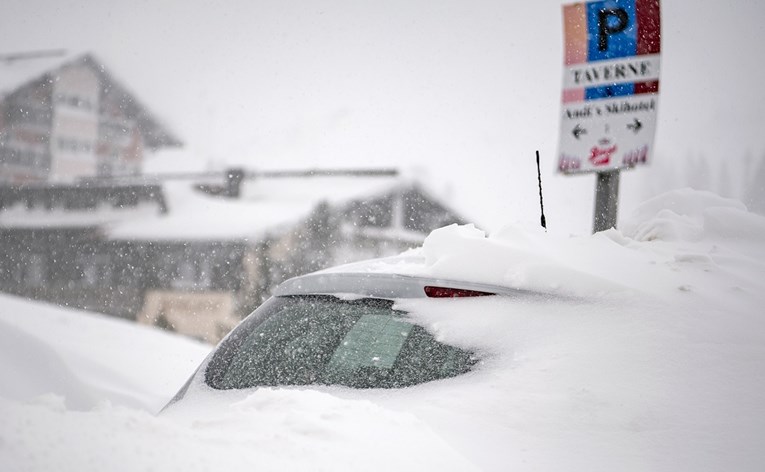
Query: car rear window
point(306, 340)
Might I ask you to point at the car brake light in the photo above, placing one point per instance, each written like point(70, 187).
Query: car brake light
point(446, 292)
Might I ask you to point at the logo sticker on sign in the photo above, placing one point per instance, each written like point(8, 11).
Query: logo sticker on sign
point(610, 84)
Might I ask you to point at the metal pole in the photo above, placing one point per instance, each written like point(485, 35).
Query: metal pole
point(606, 201)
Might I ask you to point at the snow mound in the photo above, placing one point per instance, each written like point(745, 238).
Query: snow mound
point(693, 215)
point(42, 372)
point(512, 257)
point(656, 364)
point(81, 356)
point(707, 233)
point(272, 430)
point(307, 429)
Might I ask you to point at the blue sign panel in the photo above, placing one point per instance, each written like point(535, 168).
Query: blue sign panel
point(612, 30)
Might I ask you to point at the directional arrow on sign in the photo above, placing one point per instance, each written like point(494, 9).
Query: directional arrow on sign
point(636, 126)
point(578, 131)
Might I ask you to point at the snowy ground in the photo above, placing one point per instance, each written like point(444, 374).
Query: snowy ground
point(650, 357)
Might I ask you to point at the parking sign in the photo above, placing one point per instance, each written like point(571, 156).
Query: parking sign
point(610, 84)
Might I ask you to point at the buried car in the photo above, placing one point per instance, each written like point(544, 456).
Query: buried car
point(617, 354)
point(340, 328)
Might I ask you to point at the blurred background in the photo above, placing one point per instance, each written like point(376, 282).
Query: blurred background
point(462, 93)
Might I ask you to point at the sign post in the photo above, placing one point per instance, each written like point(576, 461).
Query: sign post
point(610, 93)
point(606, 201)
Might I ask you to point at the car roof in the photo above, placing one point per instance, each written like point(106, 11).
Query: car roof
point(380, 285)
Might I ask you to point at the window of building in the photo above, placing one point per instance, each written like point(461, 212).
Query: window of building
point(74, 101)
point(96, 270)
point(35, 271)
point(74, 145)
point(191, 274)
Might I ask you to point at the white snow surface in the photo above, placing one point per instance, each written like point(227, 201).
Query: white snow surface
point(647, 352)
point(266, 207)
point(87, 359)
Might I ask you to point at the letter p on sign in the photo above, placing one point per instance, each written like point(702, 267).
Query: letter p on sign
point(610, 21)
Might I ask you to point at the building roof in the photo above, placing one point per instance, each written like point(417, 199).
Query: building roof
point(266, 207)
point(17, 72)
point(54, 206)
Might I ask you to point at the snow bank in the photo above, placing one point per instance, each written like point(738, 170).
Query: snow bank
point(666, 372)
point(41, 371)
point(649, 354)
point(691, 215)
point(620, 384)
point(708, 233)
point(510, 257)
point(87, 358)
point(78, 390)
point(270, 431)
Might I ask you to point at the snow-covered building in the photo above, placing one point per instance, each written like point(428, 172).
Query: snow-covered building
point(65, 117)
point(198, 256)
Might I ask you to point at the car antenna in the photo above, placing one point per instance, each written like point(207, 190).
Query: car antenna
point(541, 203)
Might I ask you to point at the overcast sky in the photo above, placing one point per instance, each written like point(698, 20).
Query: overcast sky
point(462, 92)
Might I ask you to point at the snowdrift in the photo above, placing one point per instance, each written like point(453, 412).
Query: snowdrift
point(645, 351)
